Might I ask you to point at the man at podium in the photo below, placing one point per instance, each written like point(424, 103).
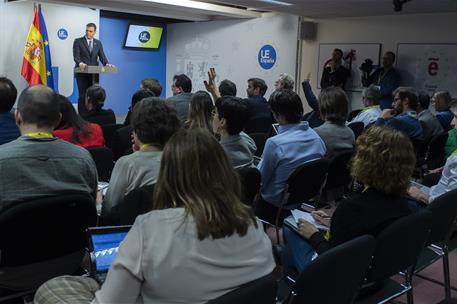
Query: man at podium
point(86, 51)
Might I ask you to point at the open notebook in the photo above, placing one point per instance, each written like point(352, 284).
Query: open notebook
point(291, 221)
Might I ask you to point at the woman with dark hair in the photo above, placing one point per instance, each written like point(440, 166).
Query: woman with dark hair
point(200, 109)
point(95, 100)
point(76, 130)
point(383, 164)
point(198, 243)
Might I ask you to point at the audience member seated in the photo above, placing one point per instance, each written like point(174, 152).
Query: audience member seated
point(442, 100)
point(371, 111)
point(403, 116)
point(8, 129)
point(313, 118)
point(451, 144)
point(385, 177)
point(200, 111)
point(387, 78)
point(74, 129)
point(285, 81)
point(95, 100)
point(430, 124)
point(177, 253)
point(230, 116)
point(181, 88)
point(227, 88)
point(147, 84)
point(153, 124)
point(295, 144)
point(333, 106)
point(448, 180)
point(258, 106)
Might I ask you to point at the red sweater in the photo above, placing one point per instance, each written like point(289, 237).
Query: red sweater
point(95, 140)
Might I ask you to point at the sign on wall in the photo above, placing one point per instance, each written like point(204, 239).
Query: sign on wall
point(428, 67)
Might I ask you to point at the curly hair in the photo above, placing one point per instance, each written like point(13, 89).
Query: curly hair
point(384, 160)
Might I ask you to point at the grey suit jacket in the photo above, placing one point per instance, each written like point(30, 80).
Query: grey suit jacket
point(81, 52)
point(430, 124)
point(181, 103)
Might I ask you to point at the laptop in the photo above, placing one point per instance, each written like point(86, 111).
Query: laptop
point(103, 245)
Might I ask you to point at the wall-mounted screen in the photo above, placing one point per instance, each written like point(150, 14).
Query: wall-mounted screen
point(143, 37)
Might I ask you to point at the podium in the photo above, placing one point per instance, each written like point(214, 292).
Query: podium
point(96, 70)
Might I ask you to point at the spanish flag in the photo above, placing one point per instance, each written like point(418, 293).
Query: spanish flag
point(36, 65)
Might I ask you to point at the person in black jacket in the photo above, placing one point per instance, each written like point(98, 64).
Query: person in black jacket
point(95, 100)
point(384, 163)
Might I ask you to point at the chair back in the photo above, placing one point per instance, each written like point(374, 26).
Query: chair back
point(45, 228)
point(122, 142)
point(444, 214)
point(435, 153)
point(103, 158)
point(250, 184)
point(108, 133)
point(258, 125)
point(336, 275)
point(339, 173)
point(357, 127)
point(262, 290)
point(306, 181)
point(399, 245)
point(259, 139)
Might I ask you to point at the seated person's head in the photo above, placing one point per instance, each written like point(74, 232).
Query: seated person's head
point(333, 104)
point(200, 110)
point(405, 99)
point(95, 98)
point(230, 115)
point(286, 106)
point(154, 122)
point(423, 101)
point(71, 119)
point(371, 95)
point(285, 81)
point(8, 94)
point(227, 88)
point(208, 187)
point(442, 100)
point(139, 95)
point(181, 84)
point(38, 108)
point(152, 85)
point(256, 87)
point(384, 160)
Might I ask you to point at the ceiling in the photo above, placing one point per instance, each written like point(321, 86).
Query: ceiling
point(320, 9)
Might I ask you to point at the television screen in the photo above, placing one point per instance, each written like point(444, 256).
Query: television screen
point(143, 37)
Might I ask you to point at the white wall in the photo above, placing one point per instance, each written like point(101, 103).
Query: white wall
point(15, 21)
point(232, 48)
point(387, 30)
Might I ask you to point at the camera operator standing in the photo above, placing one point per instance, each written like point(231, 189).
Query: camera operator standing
point(386, 77)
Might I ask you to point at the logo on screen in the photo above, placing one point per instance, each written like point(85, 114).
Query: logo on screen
point(267, 57)
point(62, 34)
point(144, 36)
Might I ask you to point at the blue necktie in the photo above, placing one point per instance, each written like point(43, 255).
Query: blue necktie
point(90, 46)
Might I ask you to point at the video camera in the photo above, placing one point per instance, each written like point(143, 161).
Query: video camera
point(367, 66)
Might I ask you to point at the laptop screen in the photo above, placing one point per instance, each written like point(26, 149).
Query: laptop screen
point(105, 247)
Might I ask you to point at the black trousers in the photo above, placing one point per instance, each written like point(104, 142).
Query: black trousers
point(84, 81)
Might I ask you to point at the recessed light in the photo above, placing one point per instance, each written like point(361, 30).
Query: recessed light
point(276, 2)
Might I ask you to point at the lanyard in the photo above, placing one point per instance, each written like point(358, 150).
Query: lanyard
point(39, 135)
point(144, 146)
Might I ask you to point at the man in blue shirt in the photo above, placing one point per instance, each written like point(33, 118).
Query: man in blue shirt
point(8, 129)
point(295, 144)
point(403, 116)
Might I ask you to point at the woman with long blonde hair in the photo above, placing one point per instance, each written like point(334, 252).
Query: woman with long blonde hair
point(200, 109)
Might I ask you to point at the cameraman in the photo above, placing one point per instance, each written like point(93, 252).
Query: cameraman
point(386, 77)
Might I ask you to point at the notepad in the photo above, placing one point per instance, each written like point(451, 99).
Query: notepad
point(298, 214)
point(421, 187)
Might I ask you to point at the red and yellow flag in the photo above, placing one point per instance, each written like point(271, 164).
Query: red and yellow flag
point(36, 65)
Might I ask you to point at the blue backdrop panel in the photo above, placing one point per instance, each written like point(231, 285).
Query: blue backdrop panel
point(134, 65)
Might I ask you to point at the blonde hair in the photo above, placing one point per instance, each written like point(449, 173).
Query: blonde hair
point(384, 160)
point(200, 111)
point(195, 174)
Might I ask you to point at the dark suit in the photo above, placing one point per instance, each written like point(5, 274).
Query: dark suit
point(81, 53)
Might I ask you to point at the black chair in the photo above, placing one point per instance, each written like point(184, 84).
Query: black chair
point(397, 249)
point(262, 290)
point(356, 127)
point(122, 142)
point(450, 301)
point(259, 139)
point(444, 214)
point(435, 153)
point(339, 175)
point(108, 133)
point(258, 125)
point(353, 114)
point(41, 230)
point(336, 275)
point(250, 184)
point(103, 158)
point(136, 202)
